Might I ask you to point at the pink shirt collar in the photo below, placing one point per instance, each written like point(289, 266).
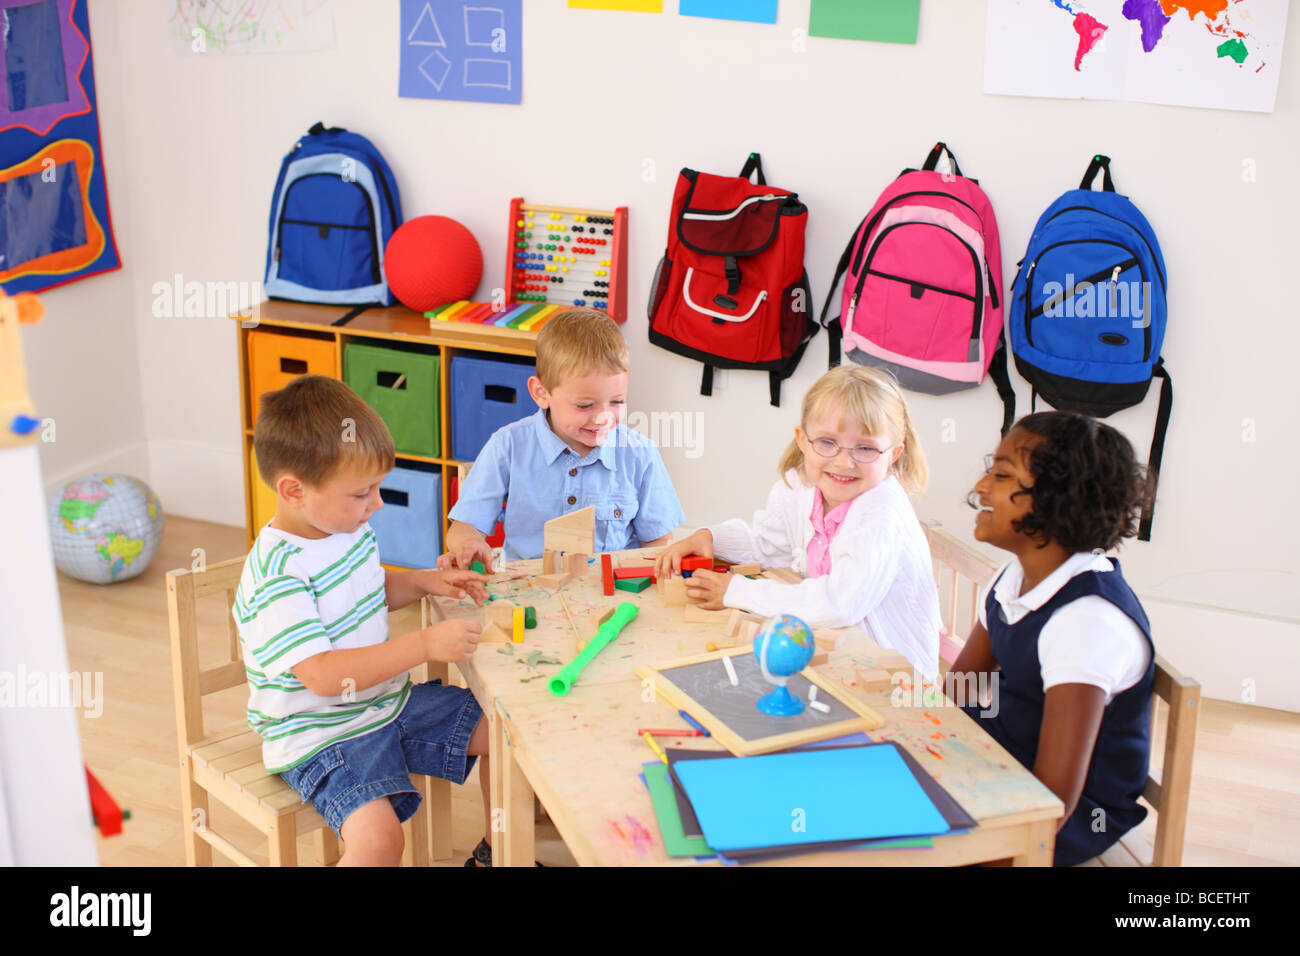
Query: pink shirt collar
point(825, 525)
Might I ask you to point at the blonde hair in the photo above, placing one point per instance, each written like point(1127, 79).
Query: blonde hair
point(579, 342)
point(315, 426)
point(870, 397)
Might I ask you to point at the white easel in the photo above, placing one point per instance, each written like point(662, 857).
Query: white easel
point(45, 817)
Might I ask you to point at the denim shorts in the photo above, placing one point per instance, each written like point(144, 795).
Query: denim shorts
point(430, 736)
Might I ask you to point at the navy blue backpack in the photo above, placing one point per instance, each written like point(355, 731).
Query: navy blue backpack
point(334, 209)
point(1087, 315)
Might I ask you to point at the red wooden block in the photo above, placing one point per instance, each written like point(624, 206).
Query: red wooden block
point(643, 572)
point(696, 563)
point(607, 574)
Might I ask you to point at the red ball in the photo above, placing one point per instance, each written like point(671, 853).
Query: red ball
point(432, 260)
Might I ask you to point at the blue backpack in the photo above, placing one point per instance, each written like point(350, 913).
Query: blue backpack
point(1087, 315)
point(334, 209)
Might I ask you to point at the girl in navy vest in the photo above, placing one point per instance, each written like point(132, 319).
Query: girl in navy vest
point(1067, 636)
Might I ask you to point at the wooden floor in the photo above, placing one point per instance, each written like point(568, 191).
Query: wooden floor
point(1245, 782)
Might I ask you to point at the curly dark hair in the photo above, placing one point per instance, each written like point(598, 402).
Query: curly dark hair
point(1089, 489)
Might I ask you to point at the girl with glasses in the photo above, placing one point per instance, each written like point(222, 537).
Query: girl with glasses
point(840, 516)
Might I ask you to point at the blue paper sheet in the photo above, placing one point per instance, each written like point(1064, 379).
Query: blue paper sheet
point(807, 797)
point(755, 11)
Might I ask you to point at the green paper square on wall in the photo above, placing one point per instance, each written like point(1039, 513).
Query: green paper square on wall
point(886, 21)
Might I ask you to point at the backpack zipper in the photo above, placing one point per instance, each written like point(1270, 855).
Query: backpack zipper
point(919, 192)
point(977, 317)
point(1155, 260)
point(728, 213)
point(1029, 285)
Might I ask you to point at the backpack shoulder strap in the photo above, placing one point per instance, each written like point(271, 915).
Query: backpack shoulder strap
point(1157, 443)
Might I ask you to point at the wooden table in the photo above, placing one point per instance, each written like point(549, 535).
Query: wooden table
point(580, 754)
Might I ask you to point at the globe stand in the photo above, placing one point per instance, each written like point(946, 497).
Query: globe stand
point(780, 702)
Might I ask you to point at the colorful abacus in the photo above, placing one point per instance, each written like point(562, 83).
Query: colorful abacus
point(566, 257)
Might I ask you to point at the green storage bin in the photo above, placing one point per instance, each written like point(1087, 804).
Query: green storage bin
point(402, 385)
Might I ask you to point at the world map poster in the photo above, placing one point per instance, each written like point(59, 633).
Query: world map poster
point(1219, 54)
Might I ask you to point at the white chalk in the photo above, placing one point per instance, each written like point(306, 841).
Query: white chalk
point(731, 671)
point(818, 705)
point(812, 693)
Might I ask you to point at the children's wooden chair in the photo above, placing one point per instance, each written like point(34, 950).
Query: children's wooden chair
point(227, 765)
point(965, 570)
point(966, 573)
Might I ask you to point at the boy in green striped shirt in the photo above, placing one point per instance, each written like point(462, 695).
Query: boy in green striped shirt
point(329, 692)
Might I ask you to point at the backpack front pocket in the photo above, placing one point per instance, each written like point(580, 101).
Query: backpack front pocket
point(739, 324)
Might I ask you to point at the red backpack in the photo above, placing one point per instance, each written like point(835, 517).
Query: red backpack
point(731, 290)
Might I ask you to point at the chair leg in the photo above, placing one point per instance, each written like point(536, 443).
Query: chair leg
point(438, 800)
point(418, 836)
point(282, 842)
point(327, 846)
point(198, 852)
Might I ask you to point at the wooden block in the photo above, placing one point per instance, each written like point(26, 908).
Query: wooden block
point(550, 561)
point(530, 616)
point(818, 659)
point(575, 532)
point(575, 563)
point(555, 581)
point(782, 574)
point(635, 585)
point(674, 592)
point(607, 575)
point(582, 642)
point(825, 641)
point(500, 613)
point(733, 622)
point(646, 571)
point(746, 568)
point(749, 631)
point(874, 680)
point(491, 634)
point(694, 563)
point(517, 635)
point(892, 661)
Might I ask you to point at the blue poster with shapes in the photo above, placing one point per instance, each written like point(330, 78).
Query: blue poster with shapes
point(54, 219)
point(461, 50)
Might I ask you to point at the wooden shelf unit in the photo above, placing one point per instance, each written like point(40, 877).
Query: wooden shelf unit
point(374, 326)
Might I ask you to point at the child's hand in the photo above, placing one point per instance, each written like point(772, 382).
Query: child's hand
point(670, 559)
point(457, 584)
point(465, 545)
point(451, 641)
point(709, 585)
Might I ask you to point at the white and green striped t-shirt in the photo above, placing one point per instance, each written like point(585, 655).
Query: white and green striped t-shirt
point(297, 598)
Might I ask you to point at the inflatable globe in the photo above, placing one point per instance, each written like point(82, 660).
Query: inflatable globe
point(105, 528)
point(783, 647)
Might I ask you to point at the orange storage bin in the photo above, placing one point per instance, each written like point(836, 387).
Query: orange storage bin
point(264, 501)
point(275, 360)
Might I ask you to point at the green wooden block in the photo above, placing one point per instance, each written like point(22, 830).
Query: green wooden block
point(477, 566)
point(635, 585)
point(530, 616)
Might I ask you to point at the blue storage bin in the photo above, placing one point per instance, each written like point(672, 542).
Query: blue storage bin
point(409, 525)
point(486, 394)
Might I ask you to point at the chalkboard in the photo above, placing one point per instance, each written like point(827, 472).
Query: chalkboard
point(702, 688)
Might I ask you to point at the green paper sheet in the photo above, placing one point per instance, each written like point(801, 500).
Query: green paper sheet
point(887, 21)
point(676, 842)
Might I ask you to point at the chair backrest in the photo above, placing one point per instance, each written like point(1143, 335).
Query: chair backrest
point(1169, 795)
point(965, 573)
point(190, 682)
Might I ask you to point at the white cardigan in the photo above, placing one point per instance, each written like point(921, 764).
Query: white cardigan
point(881, 577)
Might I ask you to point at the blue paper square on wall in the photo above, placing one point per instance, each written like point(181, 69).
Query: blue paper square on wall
point(461, 50)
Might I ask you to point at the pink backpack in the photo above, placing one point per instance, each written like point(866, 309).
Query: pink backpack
point(922, 289)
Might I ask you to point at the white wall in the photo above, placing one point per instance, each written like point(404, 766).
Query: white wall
point(196, 142)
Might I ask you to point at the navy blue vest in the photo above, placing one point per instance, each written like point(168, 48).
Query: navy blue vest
point(1121, 757)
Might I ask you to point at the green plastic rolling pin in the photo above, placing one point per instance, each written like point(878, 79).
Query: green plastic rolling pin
point(606, 633)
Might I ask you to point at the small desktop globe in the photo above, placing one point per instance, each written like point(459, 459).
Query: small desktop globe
point(105, 528)
point(783, 648)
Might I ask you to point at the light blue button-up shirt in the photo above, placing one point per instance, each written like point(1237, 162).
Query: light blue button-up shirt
point(625, 479)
